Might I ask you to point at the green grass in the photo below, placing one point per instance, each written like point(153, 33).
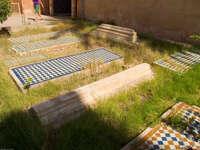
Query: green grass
point(114, 121)
point(177, 122)
point(118, 119)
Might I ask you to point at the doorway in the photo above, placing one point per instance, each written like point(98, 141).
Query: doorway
point(62, 7)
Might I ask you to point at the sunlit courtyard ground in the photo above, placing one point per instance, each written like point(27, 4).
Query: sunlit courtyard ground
point(113, 122)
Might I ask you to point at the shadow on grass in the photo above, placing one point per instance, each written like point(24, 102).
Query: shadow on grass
point(91, 132)
point(87, 132)
point(5, 31)
point(77, 27)
point(164, 46)
point(19, 131)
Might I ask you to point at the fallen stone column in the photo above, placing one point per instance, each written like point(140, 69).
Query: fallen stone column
point(60, 110)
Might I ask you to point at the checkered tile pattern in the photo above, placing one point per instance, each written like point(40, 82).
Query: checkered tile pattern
point(23, 39)
point(166, 138)
point(191, 115)
point(37, 45)
point(181, 61)
point(55, 68)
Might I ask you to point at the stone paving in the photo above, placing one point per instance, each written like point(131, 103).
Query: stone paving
point(27, 47)
point(62, 66)
point(16, 22)
point(181, 61)
point(165, 137)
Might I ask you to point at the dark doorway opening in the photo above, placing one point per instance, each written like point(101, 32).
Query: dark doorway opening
point(62, 7)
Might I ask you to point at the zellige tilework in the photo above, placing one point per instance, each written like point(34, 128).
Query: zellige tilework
point(164, 137)
point(181, 61)
point(58, 67)
point(190, 115)
point(26, 47)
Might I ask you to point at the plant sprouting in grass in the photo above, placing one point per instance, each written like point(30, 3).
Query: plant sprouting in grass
point(94, 65)
point(196, 37)
point(181, 125)
point(28, 84)
point(177, 122)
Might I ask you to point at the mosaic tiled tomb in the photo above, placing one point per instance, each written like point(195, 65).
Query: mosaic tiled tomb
point(33, 37)
point(181, 61)
point(191, 116)
point(27, 47)
point(28, 59)
point(59, 67)
point(165, 138)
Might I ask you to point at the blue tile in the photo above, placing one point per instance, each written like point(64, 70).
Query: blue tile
point(156, 147)
point(62, 66)
point(160, 142)
point(174, 138)
point(164, 138)
point(181, 143)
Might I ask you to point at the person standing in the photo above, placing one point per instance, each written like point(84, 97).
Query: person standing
point(22, 13)
point(37, 4)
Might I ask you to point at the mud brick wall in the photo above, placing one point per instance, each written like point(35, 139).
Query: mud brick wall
point(167, 19)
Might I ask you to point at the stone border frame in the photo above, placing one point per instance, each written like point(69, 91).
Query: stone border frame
point(84, 71)
point(176, 108)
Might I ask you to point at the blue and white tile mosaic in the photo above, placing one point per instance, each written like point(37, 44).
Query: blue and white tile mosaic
point(55, 68)
point(44, 44)
point(181, 61)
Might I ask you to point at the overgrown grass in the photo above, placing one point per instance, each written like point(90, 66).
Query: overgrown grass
point(120, 118)
point(177, 123)
point(114, 121)
point(82, 26)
